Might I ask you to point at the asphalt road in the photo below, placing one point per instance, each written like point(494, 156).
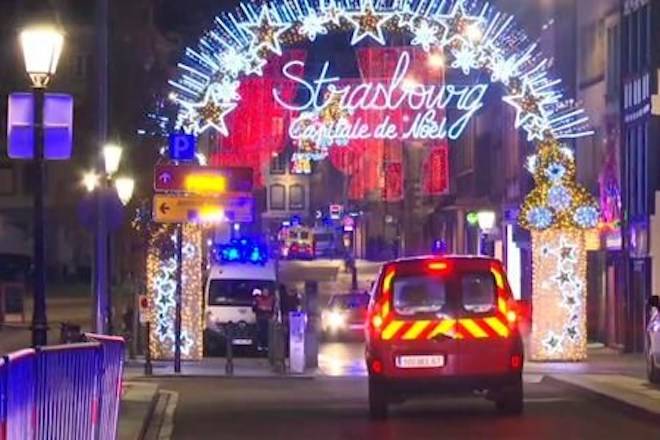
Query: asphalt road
point(336, 408)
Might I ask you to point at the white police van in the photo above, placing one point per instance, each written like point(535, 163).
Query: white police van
point(229, 297)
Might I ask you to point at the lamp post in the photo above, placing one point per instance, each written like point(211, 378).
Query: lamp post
point(124, 187)
point(486, 221)
point(42, 46)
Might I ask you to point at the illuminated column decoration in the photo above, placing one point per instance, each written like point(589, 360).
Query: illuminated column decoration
point(559, 324)
point(193, 292)
point(560, 214)
point(161, 289)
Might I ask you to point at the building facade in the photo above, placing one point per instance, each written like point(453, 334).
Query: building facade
point(640, 132)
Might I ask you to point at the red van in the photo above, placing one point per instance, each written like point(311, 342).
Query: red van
point(443, 325)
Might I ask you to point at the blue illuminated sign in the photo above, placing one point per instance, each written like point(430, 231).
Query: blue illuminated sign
point(182, 146)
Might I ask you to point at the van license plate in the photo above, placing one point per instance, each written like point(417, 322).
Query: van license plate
point(420, 361)
point(242, 341)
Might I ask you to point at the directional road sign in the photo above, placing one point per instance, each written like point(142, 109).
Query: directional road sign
point(195, 209)
point(182, 146)
point(172, 178)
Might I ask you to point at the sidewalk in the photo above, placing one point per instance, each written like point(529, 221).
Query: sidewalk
point(609, 374)
point(136, 409)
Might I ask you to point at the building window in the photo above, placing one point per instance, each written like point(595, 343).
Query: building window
point(81, 66)
point(278, 164)
point(296, 197)
point(7, 181)
point(591, 53)
point(277, 197)
point(613, 78)
point(644, 53)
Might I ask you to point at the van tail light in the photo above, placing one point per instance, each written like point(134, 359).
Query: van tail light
point(511, 317)
point(516, 361)
point(376, 366)
point(381, 310)
point(437, 266)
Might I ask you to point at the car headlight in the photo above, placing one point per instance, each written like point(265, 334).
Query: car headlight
point(336, 319)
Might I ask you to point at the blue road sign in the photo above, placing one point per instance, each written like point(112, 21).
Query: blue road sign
point(182, 146)
point(58, 126)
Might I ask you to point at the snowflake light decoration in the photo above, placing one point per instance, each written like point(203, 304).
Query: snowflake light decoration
point(559, 198)
point(465, 58)
point(312, 26)
point(587, 217)
point(426, 35)
point(540, 218)
point(225, 91)
point(555, 172)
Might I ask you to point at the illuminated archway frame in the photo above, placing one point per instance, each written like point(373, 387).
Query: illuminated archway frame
point(472, 35)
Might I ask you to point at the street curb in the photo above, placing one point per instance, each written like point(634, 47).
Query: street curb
point(626, 405)
point(170, 376)
point(137, 410)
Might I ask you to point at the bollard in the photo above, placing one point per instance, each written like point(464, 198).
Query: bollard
point(148, 368)
point(313, 324)
point(276, 347)
point(297, 322)
point(229, 339)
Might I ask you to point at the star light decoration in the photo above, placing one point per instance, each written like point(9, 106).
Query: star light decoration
point(265, 34)
point(474, 35)
point(209, 113)
point(368, 23)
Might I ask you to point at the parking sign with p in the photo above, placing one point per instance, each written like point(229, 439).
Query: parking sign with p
point(182, 146)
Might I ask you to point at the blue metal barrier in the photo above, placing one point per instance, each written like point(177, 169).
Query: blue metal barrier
point(68, 391)
point(3, 398)
point(20, 380)
point(111, 382)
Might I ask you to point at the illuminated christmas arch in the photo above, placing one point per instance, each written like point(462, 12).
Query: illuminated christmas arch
point(468, 35)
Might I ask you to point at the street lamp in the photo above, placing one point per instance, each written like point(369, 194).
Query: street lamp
point(91, 181)
point(42, 47)
point(111, 158)
point(124, 187)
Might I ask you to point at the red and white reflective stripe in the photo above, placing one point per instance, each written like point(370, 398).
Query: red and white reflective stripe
point(470, 328)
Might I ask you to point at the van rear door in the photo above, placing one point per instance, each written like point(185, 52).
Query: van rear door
point(487, 342)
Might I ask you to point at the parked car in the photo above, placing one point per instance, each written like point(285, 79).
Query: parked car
point(443, 325)
point(653, 340)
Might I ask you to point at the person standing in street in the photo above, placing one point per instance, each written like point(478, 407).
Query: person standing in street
point(264, 307)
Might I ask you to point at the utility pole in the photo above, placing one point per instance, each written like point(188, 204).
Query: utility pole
point(101, 276)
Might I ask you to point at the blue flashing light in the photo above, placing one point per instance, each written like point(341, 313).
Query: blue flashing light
point(439, 247)
point(240, 251)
